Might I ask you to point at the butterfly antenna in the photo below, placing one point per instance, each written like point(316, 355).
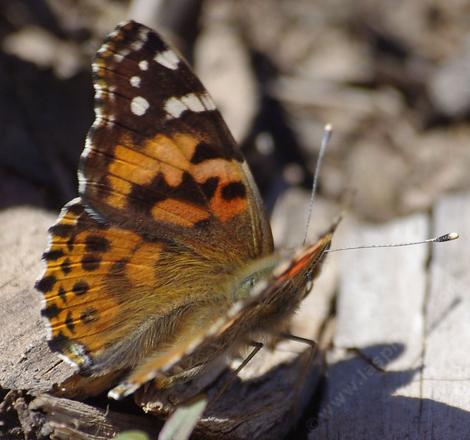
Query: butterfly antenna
point(442, 238)
point(324, 143)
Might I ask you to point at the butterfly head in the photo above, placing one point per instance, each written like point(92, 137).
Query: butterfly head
point(283, 281)
point(305, 266)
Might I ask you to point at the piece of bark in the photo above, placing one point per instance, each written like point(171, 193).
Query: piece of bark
point(45, 417)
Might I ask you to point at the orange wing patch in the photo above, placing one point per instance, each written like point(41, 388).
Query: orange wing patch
point(176, 178)
point(179, 213)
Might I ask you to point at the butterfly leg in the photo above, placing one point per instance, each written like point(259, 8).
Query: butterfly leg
point(304, 372)
point(368, 360)
point(295, 338)
point(310, 342)
point(257, 346)
point(313, 345)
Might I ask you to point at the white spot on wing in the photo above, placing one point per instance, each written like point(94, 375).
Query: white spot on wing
point(94, 215)
point(143, 65)
point(174, 107)
point(88, 147)
point(192, 101)
point(139, 105)
point(123, 53)
point(99, 122)
point(135, 81)
point(81, 182)
point(104, 48)
point(114, 33)
point(168, 59)
point(99, 91)
point(112, 93)
point(110, 121)
point(75, 201)
point(207, 101)
point(137, 45)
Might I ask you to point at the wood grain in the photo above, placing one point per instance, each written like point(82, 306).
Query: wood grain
point(398, 367)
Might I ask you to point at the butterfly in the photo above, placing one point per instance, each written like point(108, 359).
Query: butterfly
point(165, 262)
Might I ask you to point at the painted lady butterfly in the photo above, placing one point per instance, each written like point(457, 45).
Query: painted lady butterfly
point(165, 262)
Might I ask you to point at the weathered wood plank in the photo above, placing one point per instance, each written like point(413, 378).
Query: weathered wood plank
point(445, 386)
point(379, 313)
point(25, 361)
point(382, 290)
point(399, 312)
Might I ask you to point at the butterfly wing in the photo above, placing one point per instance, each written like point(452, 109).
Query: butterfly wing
point(168, 213)
point(160, 159)
point(269, 305)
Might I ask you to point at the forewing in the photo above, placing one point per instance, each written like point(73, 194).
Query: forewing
point(159, 157)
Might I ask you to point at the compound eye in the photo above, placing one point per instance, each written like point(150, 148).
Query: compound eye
point(250, 281)
point(245, 287)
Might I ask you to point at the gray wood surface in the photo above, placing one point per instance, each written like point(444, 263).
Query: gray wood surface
point(399, 366)
point(25, 361)
point(445, 386)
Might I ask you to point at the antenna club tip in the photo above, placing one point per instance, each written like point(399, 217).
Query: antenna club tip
point(328, 127)
point(448, 237)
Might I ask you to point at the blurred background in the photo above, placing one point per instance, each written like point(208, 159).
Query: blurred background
point(393, 77)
